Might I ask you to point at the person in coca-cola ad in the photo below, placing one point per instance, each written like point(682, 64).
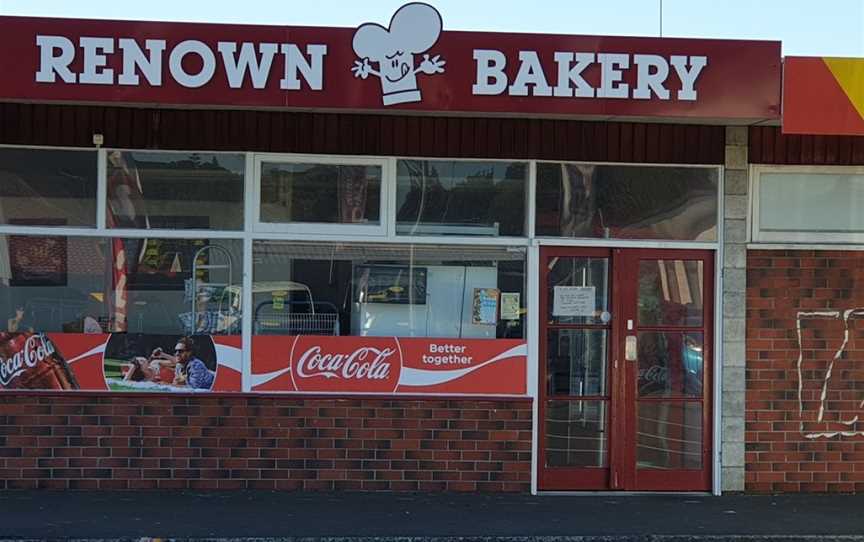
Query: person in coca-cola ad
point(189, 370)
point(31, 361)
point(146, 362)
point(141, 369)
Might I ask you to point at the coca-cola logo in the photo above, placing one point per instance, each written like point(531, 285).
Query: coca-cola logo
point(655, 374)
point(346, 364)
point(36, 349)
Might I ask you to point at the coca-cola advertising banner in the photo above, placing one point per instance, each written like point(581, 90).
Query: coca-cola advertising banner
point(119, 362)
point(389, 365)
point(125, 362)
point(396, 61)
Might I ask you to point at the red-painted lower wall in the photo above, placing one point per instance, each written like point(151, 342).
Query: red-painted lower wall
point(249, 442)
point(802, 405)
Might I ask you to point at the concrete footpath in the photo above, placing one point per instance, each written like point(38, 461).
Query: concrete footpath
point(185, 515)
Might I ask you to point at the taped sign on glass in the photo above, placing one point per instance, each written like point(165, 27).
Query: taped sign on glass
point(574, 301)
point(509, 305)
point(485, 306)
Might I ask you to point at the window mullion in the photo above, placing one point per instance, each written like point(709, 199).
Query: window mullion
point(101, 189)
point(250, 217)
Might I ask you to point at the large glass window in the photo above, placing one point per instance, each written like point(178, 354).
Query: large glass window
point(175, 190)
point(440, 197)
point(370, 289)
point(95, 285)
point(345, 192)
point(626, 202)
point(53, 283)
point(180, 285)
point(163, 294)
point(807, 204)
point(167, 304)
point(41, 187)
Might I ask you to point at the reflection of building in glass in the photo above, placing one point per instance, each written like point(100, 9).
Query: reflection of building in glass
point(175, 190)
point(631, 202)
point(320, 193)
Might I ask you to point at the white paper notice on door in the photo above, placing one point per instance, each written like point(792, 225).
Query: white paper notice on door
point(574, 301)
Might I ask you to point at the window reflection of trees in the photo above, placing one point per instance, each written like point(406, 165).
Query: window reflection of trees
point(200, 177)
point(323, 193)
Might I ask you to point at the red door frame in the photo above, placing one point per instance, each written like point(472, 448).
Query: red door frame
point(657, 479)
point(622, 472)
point(564, 478)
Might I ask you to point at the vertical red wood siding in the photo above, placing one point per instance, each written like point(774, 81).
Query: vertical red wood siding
point(364, 134)
point(769, 146)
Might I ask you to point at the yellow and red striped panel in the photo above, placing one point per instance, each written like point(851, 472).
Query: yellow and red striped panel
point(823, 95)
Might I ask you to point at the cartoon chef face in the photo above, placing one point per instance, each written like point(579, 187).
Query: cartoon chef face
point(413, 30)
point(398, 68)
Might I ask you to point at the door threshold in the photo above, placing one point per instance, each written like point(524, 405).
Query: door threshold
point(590, 493)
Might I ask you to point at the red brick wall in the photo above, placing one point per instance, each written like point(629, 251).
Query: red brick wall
point(788, 451)
point(247, 442)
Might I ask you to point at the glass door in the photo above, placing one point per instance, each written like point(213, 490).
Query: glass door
point(575, 344)
point(625, 339)
point(667, 319)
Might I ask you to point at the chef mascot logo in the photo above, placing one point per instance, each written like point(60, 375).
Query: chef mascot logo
point(414, 30)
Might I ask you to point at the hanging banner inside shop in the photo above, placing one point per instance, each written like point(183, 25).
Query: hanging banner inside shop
point(389, 365)
point(410, 64)
point(823, 96)
point(119, 362)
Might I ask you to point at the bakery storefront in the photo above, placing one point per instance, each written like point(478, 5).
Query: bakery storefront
point(383, 258)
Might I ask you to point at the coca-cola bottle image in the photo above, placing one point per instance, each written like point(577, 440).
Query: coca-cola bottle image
point(31, 361)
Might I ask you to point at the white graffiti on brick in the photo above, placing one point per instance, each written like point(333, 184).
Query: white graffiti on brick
point(844, 316)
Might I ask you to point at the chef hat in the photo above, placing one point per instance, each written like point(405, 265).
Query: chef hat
point(413, 29)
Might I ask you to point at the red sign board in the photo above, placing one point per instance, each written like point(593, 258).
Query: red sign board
point(119, 362)
point(403, 365)
point(130, 362)
point(409, 64)
point(823, 95)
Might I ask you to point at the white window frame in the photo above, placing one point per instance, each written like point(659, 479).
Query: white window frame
point(322, 228)
point(796, 237)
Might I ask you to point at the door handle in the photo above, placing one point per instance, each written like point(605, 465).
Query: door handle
point(630, 348)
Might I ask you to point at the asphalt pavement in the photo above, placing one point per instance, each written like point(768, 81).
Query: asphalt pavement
point(240, 514)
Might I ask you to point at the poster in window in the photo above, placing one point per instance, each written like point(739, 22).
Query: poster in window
point(485, 306)
point(161, 363)
point(38, 260)
point(398, 284)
